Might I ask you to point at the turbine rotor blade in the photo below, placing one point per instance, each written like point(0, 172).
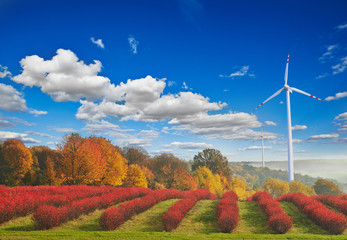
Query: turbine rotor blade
point(286, 72)
point(305, 93)
point(273, 95)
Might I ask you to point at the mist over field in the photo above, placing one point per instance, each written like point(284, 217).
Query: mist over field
point(324, 168)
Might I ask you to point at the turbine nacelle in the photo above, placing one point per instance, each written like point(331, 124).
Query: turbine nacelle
point(287, 88)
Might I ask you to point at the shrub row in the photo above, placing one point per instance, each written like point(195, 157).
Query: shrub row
point(227, 212)
point(21, 203)
point(113, 217)
point(336, 202)
point(317, 212)
point(277, 219)
point(174, 215)
point(46, 217)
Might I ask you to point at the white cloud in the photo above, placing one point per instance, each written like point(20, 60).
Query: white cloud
point(340, 140)
point(39, 134)
point(242, 72)
point(6, 124)
point(253, 148)
point(299, 127)
point(341, 117)
point(20, 121)
point(329, 53)
point(98, 42)
point(300, 151)
point(171, 83)
point(188, 145)
point(281, 102)
point(65, 77)
point(337, 96)
point(103, 126)
point(11, 100)
point(184, 85)
point(52, 143)
point(340, 67)
point(297, 140)
point(37, 113)
point(4, 72)
point(21, 136)
point(322, 76)
point(322, 136)
point(133, 44)
point(64, 130)
point(270, 123)
point(342, 26)
point(142, 100)
point(343, 127)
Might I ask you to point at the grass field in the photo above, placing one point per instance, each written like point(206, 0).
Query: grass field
point(200, 223)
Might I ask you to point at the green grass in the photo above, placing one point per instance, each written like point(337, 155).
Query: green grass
point(200, 219)
point(200, 223)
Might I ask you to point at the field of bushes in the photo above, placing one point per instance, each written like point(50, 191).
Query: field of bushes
point(89, 212)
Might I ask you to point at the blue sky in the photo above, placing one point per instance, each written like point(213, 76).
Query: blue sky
point(176, 76)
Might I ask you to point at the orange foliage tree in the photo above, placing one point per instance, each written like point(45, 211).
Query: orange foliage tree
point(135, 177)
point(183, 180)
point(19, 163)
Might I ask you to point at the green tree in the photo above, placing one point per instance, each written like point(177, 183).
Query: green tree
point(213, 160)
point(322, 186)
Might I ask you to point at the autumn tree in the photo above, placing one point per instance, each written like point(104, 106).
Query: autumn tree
point(240, 188)
point(135, 177)
point(115, 169)
point(70, 161)
point(163, 166)
point(18, 161)
point(149, 177)
point(213, 160)
point(136, 155)
point(3, 165)
point(47, 160)
point(295, 186)
point(275, 187)
point(209, 181)
point(183, 180)
point(322, 186)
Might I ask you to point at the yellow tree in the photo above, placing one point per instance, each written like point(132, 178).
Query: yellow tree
point(115, 168)
point(135, 177)
point(206, 180)
point(240, 188)
point(275, 188)
point(295, 186)
point(19, 162)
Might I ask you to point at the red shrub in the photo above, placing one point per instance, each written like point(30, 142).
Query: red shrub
point(337, 202)
point(174, 215)
point(317, 212)
point(113, 217)
point(277, 219)
point(227, 212)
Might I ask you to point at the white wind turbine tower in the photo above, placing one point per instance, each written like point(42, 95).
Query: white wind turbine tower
point(289, 90)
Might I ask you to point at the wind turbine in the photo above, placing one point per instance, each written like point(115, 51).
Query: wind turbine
point(289, 90)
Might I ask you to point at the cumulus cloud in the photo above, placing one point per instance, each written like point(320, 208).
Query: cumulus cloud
point(37, 113)
point(253, 148)
point(133, 44)
point(340, 67)
point(315, 138)
point(341, 117)
point(11, 100)
point(299, 127)
point(14, 135)
point(6, 124)
point(329, 53)
point(188, 145)
point(337, 96)
point(270, 123)
point(98, 42)
point(4, 72)
point(65, 77)
point(142, 100)
point(240, 73)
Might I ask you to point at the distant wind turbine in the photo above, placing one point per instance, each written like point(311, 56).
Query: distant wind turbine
point(289, 90)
